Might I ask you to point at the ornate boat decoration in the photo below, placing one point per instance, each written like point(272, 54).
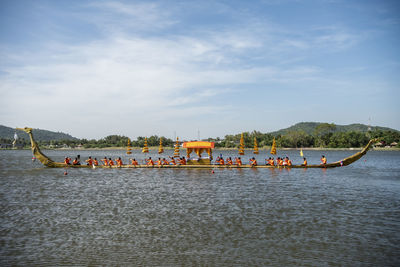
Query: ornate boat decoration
point(176, 149)
point(198, 148)
point(145, 147)
point(241, 146)
point(255, 150)
point(160, 148)
point(129, 147)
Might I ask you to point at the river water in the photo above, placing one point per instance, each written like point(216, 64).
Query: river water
point(167, 217)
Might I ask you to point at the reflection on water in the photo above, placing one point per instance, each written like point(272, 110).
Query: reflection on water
point(342, 216)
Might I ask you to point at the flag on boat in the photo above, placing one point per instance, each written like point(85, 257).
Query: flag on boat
point(273, 148)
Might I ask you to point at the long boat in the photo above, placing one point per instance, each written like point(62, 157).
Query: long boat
point(204, 163)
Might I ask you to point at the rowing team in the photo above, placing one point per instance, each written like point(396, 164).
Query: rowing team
point(164, 161)
point(253, 162)
point(94, 162)
point(182, 161)
point(118, 161)
point(270, 161)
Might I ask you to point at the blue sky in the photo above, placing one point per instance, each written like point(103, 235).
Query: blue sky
point(139, 68)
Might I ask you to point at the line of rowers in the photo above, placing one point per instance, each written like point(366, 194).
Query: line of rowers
point(182, 161)
point(253, 162)
point(118, 161)
point(270, 161)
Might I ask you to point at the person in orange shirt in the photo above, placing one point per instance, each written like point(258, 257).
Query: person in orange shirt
point(304, 162)
point(134, 162)
point(172, 160)
point(110, 162)
point(229, 161)
point(221, 161)
point(288, 161)
point(272, 162)
point(105, 161)
point(95, 162)
point(165, 161)
point(67, 161)
point(119, 162)
point(76, 162)
point(253, 162)
point(239, 161)
point(183, 161)
point(323, 160)
point(159, 162)
point(89, 161)
point(150, 162)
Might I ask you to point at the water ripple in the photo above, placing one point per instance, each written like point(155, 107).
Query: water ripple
point(169, 217)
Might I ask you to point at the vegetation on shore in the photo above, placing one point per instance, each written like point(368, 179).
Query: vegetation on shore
point(306, 135)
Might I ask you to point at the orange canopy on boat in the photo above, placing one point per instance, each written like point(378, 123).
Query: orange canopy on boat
point(199, 147)
point(198, 144)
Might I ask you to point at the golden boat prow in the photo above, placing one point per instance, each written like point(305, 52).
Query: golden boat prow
point(207, 163)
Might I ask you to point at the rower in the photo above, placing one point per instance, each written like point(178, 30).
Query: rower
point(271, 161)
point(89, 161)
point(183, 161)
point(134, 162)
point(67, 161)
point(150, 162)
point(165, 161)
point(239, 161)
point(288, 161)
point(110, 162)
point(159, 162)
point(229, 161)
point(253, 162)
point(105, 161)
point(172, 160)
point(304, 162)
point(76, 162)
point(221, 161)
point(323, 160)
point(119, 162)
point(95, 162)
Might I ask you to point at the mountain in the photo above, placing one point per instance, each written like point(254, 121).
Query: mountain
point(40, 135)
point(309, 128)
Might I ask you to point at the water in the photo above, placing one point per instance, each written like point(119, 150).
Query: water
point(167, 217)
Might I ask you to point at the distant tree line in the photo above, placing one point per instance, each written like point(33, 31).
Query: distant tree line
point(324, 135)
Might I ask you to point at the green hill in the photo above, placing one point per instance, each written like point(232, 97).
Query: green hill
point(310, 127)
point(40, 135)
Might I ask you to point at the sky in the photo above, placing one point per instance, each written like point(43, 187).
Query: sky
point(197, 68)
